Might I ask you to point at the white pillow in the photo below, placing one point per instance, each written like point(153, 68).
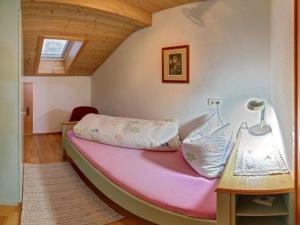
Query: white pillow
point(207, 149)
point(209, 126)
point(129, 133)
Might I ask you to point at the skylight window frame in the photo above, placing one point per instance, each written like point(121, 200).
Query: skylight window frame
point(64, 52)
point(54, 66)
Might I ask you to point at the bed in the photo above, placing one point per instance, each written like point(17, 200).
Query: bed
point(159, 187)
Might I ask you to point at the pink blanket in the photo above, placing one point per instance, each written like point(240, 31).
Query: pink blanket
point(163, 179)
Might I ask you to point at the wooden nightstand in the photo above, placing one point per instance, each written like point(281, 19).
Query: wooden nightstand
point(235, 195)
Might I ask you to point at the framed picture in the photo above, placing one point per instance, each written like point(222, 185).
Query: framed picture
point(175, 64)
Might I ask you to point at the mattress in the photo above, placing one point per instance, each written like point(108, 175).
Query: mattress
point(163, 179)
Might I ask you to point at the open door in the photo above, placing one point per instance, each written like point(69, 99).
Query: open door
point(27, 108)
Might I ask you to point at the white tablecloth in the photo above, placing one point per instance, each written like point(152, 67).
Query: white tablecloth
point(258, 155)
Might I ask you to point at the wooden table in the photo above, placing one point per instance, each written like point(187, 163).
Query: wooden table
point(235, 195)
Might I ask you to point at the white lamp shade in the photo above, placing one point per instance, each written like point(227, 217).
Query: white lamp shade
point(256, 105)
point(262, 128)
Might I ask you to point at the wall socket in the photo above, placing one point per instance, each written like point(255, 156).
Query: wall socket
point(214, 102)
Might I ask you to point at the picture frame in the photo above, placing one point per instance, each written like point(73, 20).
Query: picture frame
point(175, 64)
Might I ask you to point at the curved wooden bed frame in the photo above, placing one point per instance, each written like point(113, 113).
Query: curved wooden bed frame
point(123, 198)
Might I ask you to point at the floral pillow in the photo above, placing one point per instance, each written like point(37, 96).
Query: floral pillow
point(130, 133)
point(208, 152)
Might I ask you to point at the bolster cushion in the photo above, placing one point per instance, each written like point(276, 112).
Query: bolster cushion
point(129, 133)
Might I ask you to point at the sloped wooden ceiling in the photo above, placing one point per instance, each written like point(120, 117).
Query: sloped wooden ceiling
point(104, 24)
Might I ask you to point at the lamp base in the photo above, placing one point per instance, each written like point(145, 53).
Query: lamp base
point(258, 130)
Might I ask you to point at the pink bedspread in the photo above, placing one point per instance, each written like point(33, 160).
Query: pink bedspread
point(163, 179)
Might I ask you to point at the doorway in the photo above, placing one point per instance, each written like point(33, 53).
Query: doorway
point(27, 108)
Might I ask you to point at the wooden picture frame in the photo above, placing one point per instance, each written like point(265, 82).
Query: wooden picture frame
point(176, 64)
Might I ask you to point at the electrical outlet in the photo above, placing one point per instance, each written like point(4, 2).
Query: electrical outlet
point(214, 102)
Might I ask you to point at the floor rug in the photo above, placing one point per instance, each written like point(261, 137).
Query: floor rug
point(55, 195)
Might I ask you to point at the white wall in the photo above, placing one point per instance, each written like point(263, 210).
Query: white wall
point(282, 69)
point(230, 59)
point(54, 98)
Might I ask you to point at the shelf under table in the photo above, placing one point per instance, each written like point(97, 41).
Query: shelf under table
point(246, 207)
point(274, 220)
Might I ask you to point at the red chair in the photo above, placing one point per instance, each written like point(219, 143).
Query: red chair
point(79, 112)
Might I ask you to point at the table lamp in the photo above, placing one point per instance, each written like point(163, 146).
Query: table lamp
point(262, 128)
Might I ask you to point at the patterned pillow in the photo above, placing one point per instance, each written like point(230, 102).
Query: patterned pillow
point(207, 153)
point(130, 133)
point(211, 124)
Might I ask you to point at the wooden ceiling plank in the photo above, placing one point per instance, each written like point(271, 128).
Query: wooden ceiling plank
point(103, 30)
point(116, 7)
point(60, 13)
point(31, 23)
point(154, 6)
point(149, 6)
point(31, 36)
point(93, 24)
point(74, 27)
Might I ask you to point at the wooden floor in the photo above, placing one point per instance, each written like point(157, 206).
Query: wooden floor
point(43, 148)
point(9, 215)
point(47, 149)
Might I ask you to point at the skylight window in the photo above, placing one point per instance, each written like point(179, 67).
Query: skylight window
point(54, 48)
point(56, 55)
